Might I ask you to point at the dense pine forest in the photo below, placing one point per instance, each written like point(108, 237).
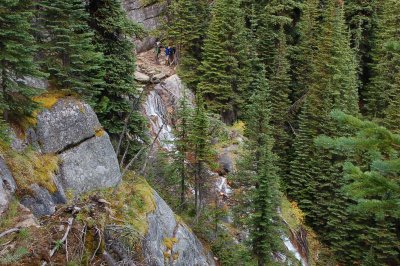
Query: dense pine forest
point(314, 86)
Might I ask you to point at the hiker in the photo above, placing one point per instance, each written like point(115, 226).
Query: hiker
point(172, 58)
point(158, 50)
point(167, 55)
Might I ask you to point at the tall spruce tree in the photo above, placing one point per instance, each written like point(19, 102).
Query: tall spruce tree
point(17, 50)
point(186, 27)
point(182, 143)
point(265, 201)
point(269, 19)
point(200, 141)
point(68, 48)
point(303, 52)
point(118, 101)
point(381, 91)
point(224, 68)
point(280, 104)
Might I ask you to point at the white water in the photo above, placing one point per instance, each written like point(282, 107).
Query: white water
point(293, 250)
point(223, 187)
point(156, 112)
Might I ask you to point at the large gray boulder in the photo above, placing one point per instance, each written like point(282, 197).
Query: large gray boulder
point(91, 165)
point(170, 240)
point(147, 15)
point(7, 186)
point(67, 123)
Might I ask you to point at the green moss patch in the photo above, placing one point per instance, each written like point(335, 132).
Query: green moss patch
point(32, 167)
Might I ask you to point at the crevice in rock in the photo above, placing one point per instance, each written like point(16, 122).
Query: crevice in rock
point(73, 145)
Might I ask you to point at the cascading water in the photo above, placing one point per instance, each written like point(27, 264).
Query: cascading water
point(156, 111)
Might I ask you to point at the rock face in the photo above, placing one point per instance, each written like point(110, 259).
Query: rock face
point(166, 235)
point(146, 14)
point(91, 165)
point(72, 130)
point(7, 186)
point(67, 123)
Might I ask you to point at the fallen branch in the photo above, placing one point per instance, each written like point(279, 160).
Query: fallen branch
point(9, 231)
point(70, 220)
point(98, 246)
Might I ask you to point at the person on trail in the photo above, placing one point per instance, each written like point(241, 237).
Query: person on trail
point(172, 56)
point(167, 54)
point(158, 50)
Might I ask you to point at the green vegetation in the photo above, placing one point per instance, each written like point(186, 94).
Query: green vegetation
point(32, 167)
point(17, 50)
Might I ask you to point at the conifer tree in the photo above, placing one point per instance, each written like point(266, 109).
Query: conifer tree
point(187, 25)
point(264, 229)
point(113, 32)
point(280, 104)
point(381, 91)
point(200, 141)
point(269, 19)
point(224, 70)
point(303, 52)
point(17, 50)
point(182, 143)
point(67, 45)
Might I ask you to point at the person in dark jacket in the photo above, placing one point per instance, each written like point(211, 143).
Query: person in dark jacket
point(167, 54)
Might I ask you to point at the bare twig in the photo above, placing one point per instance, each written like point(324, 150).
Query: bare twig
point(98, 246)
point(140, 151)
point(63, 239)
point(125, 153)
point(151, 148)
point(9, 231)
point(128, 118)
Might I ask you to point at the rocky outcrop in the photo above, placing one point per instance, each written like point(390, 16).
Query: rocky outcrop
point(7, 186)
point(147, 15)
point(67, 123)
point(169, 240)
point(90, 165)
point(71, 129)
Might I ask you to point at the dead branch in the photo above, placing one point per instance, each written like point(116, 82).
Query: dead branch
point(127, 120)
point(125, 153)
point(151, 149)
point(9, 231)
point(141, 150)
point(63, 239)
point(98, 246)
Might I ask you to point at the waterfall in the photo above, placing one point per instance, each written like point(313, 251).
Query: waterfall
point(156, 112)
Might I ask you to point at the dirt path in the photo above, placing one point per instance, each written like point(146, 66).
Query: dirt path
point(147, 64)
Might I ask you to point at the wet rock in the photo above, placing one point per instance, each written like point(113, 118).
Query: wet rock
point(7, 186)
point(226, 162)
point(67, 123)
point(141, 77)
point(91, 165)
point(163, 226)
